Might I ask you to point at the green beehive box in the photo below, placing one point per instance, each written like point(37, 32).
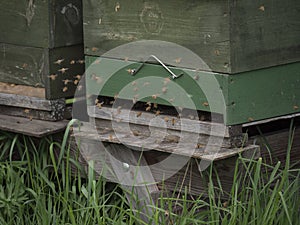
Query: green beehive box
point(230, 36)
point(251, 48)
point(41, 45)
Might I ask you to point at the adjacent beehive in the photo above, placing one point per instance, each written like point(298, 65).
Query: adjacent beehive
point(40, 47)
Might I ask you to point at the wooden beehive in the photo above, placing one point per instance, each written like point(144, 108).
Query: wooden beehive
point(250, 47)
point(41, 56)
point(230, 36)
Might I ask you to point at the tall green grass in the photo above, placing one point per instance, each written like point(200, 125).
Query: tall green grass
point(38, 186)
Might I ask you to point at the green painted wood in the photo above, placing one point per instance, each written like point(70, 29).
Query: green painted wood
point(263, 94)
point(56, 69)
point(230, 36)
point(202, 26)
point(108, 77)
point(264, 33)
point(249, 96)
point(23, 65)
point(41, 23)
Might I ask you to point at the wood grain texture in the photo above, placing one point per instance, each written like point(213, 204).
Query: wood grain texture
point(184, 148)
point(32, 113)
point(274, 146)
point(230, 36)
point(58, 70)
point(23, 65)
point(32, 107)
point(39, 23)
point(34, 128)
point(201, 26)
point(22, 90)
point(31, 102)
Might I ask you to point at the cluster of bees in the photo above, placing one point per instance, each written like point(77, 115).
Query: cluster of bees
point(63, 71)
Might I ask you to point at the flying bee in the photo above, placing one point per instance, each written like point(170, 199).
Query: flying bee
point(178, 60)
point(116, 96)
point(77, 76)
point(119, 110)
point(155, 105)
point(79, 88)
point(138, 114)
point(65, 89)
point(134, 100)
point(167, 80)
point(59, 61)
point(53, 76)
point(164, 90)
point(205, 104)
point(154, 96)
point(27, 111)
point(117, 7)
point(146, 84)
point(63, 70)
point(196, 77)
point(80, 61)
point(157, 113)
point(76, 82)
point(134, 83)
point(296, 107)
point(148, 108)
point(72, 62)
point(99, 104)
point(262, 8)
point(94, 49)
point(166, 119)
point(131, 71)
point(173, 121)
point(66, 81)
point(110, 138)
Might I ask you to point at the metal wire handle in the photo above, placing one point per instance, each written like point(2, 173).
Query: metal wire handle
point(173, 75)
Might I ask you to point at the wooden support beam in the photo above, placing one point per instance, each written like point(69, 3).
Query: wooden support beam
point(34, 128)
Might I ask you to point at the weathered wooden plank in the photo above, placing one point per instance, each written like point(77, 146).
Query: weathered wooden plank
point(190, 177)
point(35, 128)
point(274, 146)
point(246, 96)
point(31, 102)
point(163, 121)
point(162, 134)
point(39, 23)
point(32, 113)
point(22, 90)
point(264, 33)
point(57, 70)
point(105, 134)
point(134, 174)
point(230, 36)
